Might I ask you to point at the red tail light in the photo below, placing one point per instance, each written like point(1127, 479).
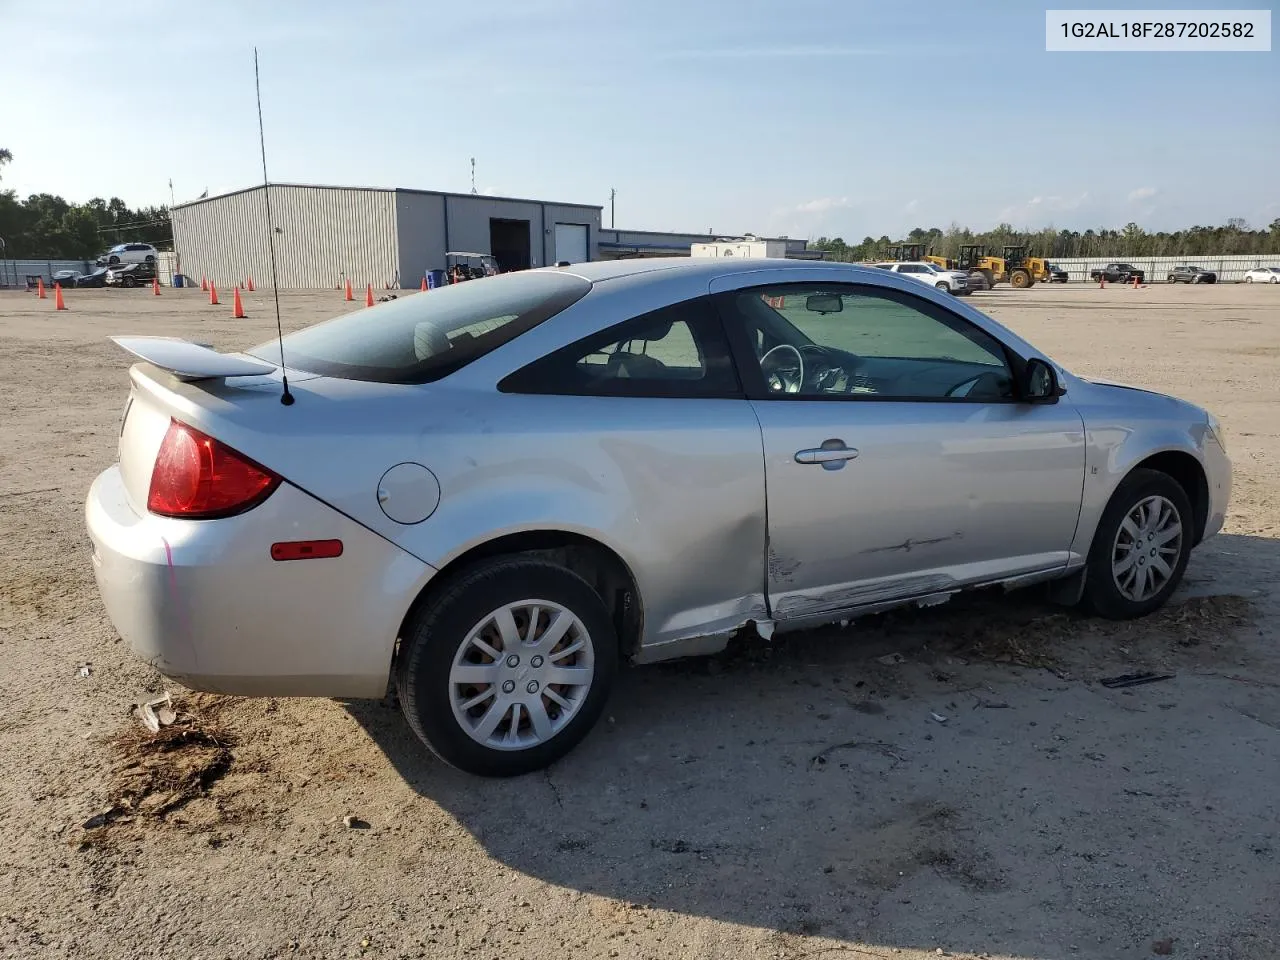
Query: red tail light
point(198, 478)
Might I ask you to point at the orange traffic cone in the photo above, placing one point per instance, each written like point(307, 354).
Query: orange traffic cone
point(57, 297)
point(155, 286)
point(40, 294)
point(1102, 282)
point(237, 308)
point(424, 284)
point(213, 294)
point(204, 284)
point(349, 296)
point(249, 285)
point(1135, 283)
point(368, 296)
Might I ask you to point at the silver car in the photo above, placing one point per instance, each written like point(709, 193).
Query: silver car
point(493, 493)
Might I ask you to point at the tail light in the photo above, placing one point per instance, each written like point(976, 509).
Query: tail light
point(199, 478)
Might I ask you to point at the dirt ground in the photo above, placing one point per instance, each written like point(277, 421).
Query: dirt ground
point(779, 801)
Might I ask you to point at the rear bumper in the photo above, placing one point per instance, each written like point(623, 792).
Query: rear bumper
point(205, 604)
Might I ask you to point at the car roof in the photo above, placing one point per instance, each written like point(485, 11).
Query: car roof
point(710, 267)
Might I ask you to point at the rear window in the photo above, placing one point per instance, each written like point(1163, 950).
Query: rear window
point(425, 336)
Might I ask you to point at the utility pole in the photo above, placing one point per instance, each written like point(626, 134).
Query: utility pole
point(613, 192)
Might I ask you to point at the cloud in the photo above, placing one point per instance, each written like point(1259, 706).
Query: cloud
point(1041, 209)
point(823, 205)
point(1142, 193)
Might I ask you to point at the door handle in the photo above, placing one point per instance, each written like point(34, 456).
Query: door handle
point(826, 454)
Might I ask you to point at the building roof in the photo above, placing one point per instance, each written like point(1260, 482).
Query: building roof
point(434, 193)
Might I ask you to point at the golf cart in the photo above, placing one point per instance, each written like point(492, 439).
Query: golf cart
point(469, 266)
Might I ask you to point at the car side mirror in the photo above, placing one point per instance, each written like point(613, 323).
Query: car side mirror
point(1040, 382)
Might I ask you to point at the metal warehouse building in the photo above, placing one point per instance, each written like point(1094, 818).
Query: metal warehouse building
point(386, 237)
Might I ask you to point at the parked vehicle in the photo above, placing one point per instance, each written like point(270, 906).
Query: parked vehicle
point(952, 281)
point(1263, 275)
point(75, 278)
point(131, 274)
point(1118, 273)
point(1190, 274)
point(129, 253)
point(494, 494)
point(1056, 274)
point(460, 266)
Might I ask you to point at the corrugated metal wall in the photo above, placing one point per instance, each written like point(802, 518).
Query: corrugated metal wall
point(323, 236)
point(1228, 268)
point(420, 229)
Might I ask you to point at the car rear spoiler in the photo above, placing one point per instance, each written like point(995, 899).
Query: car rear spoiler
point(192, 361)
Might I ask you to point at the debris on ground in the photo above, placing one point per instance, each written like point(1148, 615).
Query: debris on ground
point(354, 823)
point(937, 717)
point(1133, 679)
point(85, 670)
point(157, 713)
point(891, 659)
point(163, 769)
point(889, 750)
point(102, 818)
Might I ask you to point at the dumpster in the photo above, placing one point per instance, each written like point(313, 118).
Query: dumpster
point(177, 280)
point(435, 278)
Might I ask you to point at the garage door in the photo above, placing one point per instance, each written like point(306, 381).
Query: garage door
point(571, 242)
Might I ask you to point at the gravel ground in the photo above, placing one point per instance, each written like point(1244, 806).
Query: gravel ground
point(779, 801)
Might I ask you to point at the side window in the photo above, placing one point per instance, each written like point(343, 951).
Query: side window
point(863, 342)
point(676, 351)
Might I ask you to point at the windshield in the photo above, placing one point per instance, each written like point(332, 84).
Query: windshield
point(425, 336)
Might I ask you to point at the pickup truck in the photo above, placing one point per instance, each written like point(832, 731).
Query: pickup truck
point(1118, 273)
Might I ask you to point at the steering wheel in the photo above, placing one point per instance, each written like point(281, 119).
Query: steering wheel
point(780, 376)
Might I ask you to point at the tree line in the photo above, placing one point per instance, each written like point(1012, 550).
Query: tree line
point(47, 226)
point(1234, 237)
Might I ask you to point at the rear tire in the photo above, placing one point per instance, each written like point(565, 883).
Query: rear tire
point(1137, 559)
point(1248, 279)
point(484, 726)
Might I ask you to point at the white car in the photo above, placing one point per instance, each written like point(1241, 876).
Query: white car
point(952, 281)
point(1263, 275)
point(129, 253)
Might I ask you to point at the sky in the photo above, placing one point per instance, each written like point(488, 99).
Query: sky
point(803, 118)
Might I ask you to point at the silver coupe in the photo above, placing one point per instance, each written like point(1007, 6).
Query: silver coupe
point(492, 494)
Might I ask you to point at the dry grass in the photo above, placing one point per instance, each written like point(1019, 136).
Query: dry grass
point(156, 774)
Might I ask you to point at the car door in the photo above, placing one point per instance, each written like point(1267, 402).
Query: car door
point(648, 418)
point(900, 462)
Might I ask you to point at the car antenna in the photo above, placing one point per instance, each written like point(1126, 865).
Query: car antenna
point(286, 397)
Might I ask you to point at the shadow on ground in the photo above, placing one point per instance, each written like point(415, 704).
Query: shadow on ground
point(985, 784)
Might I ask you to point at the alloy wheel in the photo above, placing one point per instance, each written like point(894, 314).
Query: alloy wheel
point(1146, 548)
point(522, 673)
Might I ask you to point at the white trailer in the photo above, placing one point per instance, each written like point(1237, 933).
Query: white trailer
point(746, 247)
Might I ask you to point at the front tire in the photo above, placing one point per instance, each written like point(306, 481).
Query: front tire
point(1140, 548)
point(942, 285)
point(507, 667)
